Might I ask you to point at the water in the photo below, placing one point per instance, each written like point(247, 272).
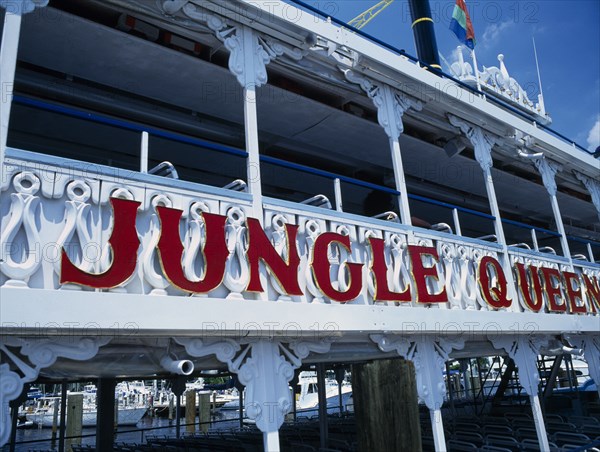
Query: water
point(220, 420)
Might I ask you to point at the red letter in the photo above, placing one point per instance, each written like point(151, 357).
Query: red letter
point(170, 250)
point(574, 294)
point(420, 273)
point(124, 243)
point(496, 297)
point(592, 290)
point(321, 267)
point(534, 303)
point(552, 275)
point(379, 269)
point(261, 248)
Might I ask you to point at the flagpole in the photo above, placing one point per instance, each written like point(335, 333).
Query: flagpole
point(476, 69)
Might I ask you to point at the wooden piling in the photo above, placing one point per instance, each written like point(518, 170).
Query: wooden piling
point(190, 411)
point(55, 406)
point(74, 420)
point(204, 411)
point(386, 406)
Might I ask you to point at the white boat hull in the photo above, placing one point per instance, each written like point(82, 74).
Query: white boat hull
point(127, 416)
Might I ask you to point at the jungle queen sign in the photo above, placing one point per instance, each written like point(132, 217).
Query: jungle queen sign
point(558, 291)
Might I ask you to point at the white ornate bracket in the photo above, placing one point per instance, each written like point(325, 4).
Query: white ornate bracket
point(590, 344)
point(390, 103)
point(524, 351)
point(429, 356)
point(548, 169)
point(482, 141)
point(593, 187)
point(41, 353)
point(21, 7)
point(265, 367)
point(241, 41)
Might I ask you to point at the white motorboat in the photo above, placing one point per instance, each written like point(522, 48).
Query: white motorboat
point(131, 409)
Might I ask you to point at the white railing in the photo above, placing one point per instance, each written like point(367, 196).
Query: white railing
point(48, 204)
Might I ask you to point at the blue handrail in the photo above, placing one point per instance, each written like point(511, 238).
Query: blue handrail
point(527, 226)
point(127, 125)
point(434, 70)
point(451, 206)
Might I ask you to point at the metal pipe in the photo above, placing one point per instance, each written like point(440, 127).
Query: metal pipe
point(177, 366)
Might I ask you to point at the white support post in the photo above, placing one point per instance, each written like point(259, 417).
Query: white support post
point(250, 44)
point(437, 425)
point(337, 189)
point(271, 441)
point(144, 153)
point(457, 229)
point(590, 344)
point(483, 143)
point(534, 240)
point(400, 181)
point(561, 228)
point(265, 367)
point(391, 105)
point(524, 352)
point(590, 253)
point(548, 170)
point(8, 64)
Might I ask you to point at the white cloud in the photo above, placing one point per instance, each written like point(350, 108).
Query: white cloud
point(493, 31)
point(593, 139)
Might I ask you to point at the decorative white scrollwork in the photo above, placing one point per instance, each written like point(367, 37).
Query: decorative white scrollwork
point(21, 257)
point(237, 269)
point(250, 52)
point(193, 257)
point(593, 187)
point(148, 259)
point(279, 240)
point(312, 229)
point(548, 169)
point(265, 367)
point(524, 351)
point(366, 256)
point(482, 141)
point(40, 353)
point(77, 221)
point(590, 344)
point(390, 103)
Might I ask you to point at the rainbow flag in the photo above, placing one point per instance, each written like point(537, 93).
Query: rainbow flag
point(461, 24)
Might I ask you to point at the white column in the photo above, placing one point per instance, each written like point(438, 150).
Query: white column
point(483, 142)
point(271, 441)
point(548, 170)
point(265, 367)
point(35, 355)
point(400, 181)
point(250, 44)
point(590, 344)
point(8, 63)
point(391, 105)
point(524, 353)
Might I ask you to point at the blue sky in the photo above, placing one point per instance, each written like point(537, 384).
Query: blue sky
point(567, 34)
